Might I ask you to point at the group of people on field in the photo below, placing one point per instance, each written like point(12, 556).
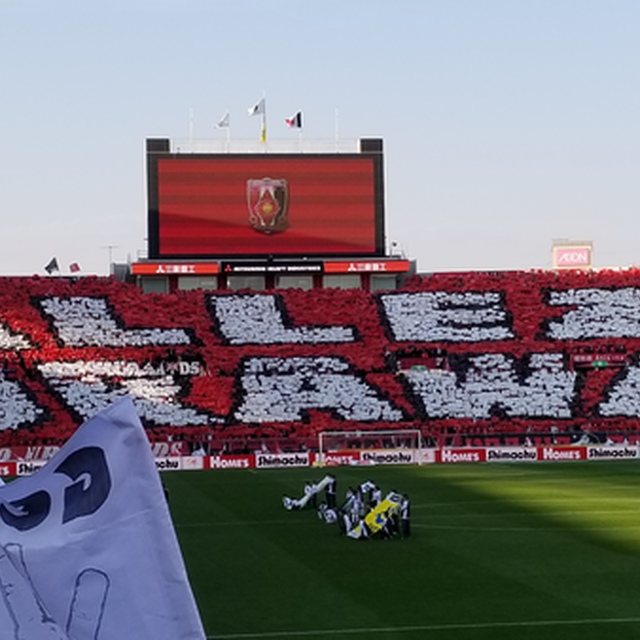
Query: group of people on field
point(362, 514)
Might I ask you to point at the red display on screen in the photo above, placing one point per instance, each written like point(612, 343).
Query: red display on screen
point(270, 205)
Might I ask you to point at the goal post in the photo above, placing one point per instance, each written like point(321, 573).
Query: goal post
point(377, 440)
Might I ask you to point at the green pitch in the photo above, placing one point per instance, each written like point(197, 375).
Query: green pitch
point(520, 551)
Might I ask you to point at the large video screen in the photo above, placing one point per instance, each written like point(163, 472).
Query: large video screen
point(261, 205)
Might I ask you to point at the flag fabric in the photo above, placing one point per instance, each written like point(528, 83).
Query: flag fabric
point(224, 122)
point(52, 266)
point(263, 132)
point(74, 267)
point(87, 546)
point(295, 121)
point(258, 108)
point(378, 516)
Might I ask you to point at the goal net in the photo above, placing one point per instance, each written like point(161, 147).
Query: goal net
point(407, 443)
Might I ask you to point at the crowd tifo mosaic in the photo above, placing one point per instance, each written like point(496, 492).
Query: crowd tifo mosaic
point(496, 356)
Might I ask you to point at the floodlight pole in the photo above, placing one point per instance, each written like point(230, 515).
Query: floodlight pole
point(110, 248)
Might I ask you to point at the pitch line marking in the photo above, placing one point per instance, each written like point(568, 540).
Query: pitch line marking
point(414, 523)
point(437, 527)
point(589, 512)
point(524, 500)
point(423, 523)
point(429, 627)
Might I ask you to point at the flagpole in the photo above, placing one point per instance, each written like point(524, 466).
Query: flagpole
point(295, 122)
point(191, 129)
point(336, 130)
point(225, 123)
point(263, 132)
point(228, 133)
point(260, 108)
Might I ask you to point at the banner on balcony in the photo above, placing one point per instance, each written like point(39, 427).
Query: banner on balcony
point(87, 546)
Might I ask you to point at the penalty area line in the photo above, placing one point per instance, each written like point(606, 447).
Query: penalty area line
point(428, 627)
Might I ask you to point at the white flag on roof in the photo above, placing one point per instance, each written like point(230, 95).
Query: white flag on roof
point(258, 108)
point(87, 546)
point(224, 122)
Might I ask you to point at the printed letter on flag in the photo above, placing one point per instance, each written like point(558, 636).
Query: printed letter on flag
point(87, 546)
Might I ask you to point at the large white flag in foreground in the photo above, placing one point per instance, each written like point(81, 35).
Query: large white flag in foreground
point(87, 546)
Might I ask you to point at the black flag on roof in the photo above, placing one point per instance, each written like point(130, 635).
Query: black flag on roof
point(52, 266)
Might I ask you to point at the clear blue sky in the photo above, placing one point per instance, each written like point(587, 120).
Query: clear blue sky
point(506, 123)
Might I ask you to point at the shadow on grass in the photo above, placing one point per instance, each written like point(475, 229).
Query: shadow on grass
point(497, 551)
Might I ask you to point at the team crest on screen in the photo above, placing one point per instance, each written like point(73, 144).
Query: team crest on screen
point(268, 201)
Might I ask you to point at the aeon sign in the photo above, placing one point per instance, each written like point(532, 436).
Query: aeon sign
point(572, 257)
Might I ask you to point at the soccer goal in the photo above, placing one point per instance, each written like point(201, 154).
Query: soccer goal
point(406, 444)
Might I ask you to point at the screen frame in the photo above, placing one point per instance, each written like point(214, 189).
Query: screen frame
point(159, 149)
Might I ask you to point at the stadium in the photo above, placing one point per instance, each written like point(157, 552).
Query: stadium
point(269, 335)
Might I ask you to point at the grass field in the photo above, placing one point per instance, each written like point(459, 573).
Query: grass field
point(497, 551)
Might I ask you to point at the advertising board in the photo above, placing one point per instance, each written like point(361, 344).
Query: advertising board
point(577, 256)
